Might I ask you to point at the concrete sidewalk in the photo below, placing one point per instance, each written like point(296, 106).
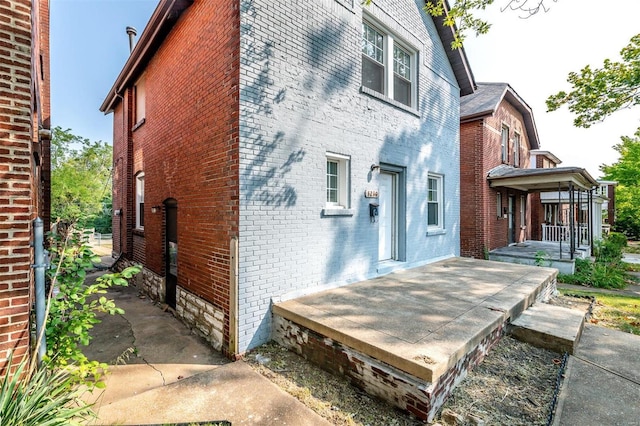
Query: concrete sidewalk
point(602, 381)
point(170, 375)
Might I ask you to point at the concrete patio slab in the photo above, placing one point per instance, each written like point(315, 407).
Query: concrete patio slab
point(412, 335)
point(435, 311)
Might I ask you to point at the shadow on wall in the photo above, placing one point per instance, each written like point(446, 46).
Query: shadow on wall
point(432, 147)
point(265, 181)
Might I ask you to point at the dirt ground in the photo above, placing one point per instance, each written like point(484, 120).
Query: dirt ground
point(514, 385)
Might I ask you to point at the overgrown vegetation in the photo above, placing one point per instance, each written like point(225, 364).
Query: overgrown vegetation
point(608, 270)
point(74, 305)
point(50, 394)
point(620, 312)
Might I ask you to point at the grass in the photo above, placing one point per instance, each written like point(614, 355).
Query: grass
point(632, 247)
point(615, 311)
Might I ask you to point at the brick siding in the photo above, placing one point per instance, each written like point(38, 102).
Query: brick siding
point(481, 228)
point(24, 83)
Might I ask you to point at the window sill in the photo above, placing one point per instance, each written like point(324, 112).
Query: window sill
point(388, 100)
point(436, 231)
point(138, 231)
point(337, 212)
point(138, 125)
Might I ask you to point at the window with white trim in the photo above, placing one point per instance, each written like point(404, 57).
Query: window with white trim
point(140, 201)
point(516, 150)
point(388, 65)
point(435, 206)
point(337, 181)
point(504, 142)
point(140, 94)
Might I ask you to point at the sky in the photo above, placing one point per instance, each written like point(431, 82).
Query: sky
point(89, 46)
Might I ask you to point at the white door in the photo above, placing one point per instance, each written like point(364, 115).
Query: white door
point(386, 217)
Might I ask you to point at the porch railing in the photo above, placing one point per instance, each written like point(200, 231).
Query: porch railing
point(557, 233)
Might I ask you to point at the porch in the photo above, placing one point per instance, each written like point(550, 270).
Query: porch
point(551, 254)
point(411, 336)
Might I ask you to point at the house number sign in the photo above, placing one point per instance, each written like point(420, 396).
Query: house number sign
point(370, 193)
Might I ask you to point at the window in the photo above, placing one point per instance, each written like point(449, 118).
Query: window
point(391, 75)
point(337, 181)
point(505, 143)
point(523, 211)
point(140, 201)
point(434, 202)
point(516, 150)
point(140, 99)
point(499, 205)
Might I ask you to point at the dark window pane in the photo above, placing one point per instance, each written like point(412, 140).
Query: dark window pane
point(141, 214)
point(432, 214)
point(372, 75)
point(402, 90)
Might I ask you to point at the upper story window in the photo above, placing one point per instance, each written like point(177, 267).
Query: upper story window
point(388, 66)
point(140, 94)
point(435, 206)
point(337, 181)
point(140, 201)
point(516, 150)
point(504, 143)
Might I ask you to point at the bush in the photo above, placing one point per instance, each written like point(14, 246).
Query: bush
point(607, 271)
point(74, 305)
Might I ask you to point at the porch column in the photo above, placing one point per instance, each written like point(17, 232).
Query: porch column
point(572, 224)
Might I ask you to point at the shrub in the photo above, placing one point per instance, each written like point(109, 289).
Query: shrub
point(74, 304)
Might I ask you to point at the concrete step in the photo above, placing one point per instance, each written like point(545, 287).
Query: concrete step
point(550, 327)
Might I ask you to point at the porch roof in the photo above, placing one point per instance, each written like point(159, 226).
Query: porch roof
point(539, 180)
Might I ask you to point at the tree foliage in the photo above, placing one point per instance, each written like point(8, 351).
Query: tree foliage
point(597, 93)
point(461, 15)
point(80, 178)
point(626, 171)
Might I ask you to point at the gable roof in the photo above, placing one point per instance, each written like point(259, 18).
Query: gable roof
point(457, 57)
point(160, 24)
point(168, 12)
point(486, 100)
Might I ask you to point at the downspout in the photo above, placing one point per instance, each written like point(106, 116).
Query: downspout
point(41, 300)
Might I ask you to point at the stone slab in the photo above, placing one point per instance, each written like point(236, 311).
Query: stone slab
point(550, 327)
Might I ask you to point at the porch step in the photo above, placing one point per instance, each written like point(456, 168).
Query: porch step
point(549, 327)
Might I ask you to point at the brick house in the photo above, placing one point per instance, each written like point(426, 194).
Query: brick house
point(497, 130)
point(24, 162)
point(268, 149)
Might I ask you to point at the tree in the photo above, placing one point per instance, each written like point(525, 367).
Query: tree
point(626, 171)
point(598, 93)
point(80, 178)
point(460, 15)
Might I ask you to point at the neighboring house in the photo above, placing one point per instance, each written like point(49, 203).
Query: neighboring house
point(497, 131)
point(268, 149)
point(24, 162)
point(553, 211)
point(607, 190)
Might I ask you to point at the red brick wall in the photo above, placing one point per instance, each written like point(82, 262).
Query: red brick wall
point(23, 84)
point(188, 150)
point(480, 151)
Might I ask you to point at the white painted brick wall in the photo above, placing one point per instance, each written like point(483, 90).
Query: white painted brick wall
point(299, 98)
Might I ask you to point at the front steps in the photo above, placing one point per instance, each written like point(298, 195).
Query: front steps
point(549, 327)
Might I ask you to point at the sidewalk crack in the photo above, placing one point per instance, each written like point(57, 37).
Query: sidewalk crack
point(133, 334)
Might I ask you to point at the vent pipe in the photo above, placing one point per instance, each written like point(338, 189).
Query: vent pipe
point(131, 32)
